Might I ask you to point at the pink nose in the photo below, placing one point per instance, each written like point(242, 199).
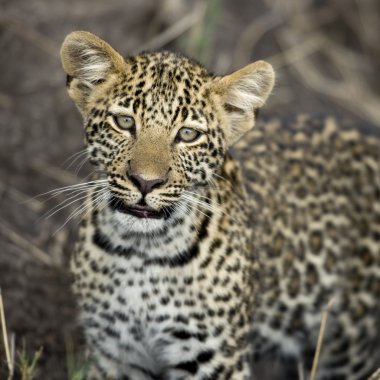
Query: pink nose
point(145, 186)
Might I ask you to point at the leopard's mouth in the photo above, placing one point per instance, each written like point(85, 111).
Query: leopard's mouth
point(140, 210)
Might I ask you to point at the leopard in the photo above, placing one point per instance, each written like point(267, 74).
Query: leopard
point(212, 242)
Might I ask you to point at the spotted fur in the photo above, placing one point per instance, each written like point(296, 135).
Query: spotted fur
point(222, 273)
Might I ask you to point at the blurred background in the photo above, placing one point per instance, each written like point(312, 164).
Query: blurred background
point(327, 57)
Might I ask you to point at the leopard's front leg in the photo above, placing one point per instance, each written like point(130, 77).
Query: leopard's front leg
point(207, 364)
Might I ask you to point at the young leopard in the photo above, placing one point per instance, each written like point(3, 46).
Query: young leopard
point(181, 271)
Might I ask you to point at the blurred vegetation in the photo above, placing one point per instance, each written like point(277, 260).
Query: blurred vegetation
point(327, 58)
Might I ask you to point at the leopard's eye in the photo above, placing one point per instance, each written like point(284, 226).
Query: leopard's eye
point(126, 123)
point(187, 135)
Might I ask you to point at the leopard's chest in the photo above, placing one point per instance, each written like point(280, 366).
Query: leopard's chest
point(130, 306)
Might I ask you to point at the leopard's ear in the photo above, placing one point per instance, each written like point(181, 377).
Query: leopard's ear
point(243, 93)
point(87, 61)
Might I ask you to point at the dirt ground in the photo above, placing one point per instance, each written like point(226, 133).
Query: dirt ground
point(327, 57)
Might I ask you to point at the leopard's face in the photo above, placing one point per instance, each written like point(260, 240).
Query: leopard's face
point(155, 131)
point(158, 125)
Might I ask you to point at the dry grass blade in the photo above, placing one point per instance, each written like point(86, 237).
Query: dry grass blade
point(368, 27)
point(290, 56)
point(19, 197)
point(28, 366)
point(54, 172)
point(177, 29)
point(375, 375)
point(8, 356)
point(252, 34)
point(321, 334)
point(24, 244)
point(13, 347)
point(349, 91)
point(300, 371)
point(76, 364)
point(31, 35)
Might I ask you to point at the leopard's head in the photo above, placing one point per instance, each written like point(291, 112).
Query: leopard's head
point(158, 124)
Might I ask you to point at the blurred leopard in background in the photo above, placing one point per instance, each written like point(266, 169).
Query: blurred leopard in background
point(204, 255)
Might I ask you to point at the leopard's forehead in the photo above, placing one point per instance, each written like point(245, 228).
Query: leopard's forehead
point(162, 86)
point(167, 69)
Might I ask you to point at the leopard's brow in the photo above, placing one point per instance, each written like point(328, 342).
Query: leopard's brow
point(119, 110)
point(197, 125)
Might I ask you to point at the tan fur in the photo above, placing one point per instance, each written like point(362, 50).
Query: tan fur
point(88, 59)
point(245, 90)
point(234, 258)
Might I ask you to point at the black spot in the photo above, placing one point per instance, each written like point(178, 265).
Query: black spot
point(121, 316)
point(164, 300)
point(121, 300)
point(198, 316)
point(111, 332)
point(181, 334)
point(184, 114)
point(184, 257)
point(190, 366)
point(162, 318)
point(136, 105)
point(341, 348)
point(218, 330)
point(205, 356)
point(215, 373)
point(102, 241)
point(181, 319)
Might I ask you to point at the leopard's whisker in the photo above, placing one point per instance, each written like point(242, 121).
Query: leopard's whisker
point(199, 202)
point(201, 196)
point(198, 195)
point(217, 210)
point(71, 192)
point(72, 187)
point(75, 157)
point(80, 164)
point(80, 186)
point(194, 202)
point(86, 207)
point(187, 209)
point(76, 191)
point(226, 182)
point(213, 183)
point(80, 207)
point(65, 201)
point(94, 202)
point(184, 207)
point(71, 195)
point(222, 178)
point(80, 197)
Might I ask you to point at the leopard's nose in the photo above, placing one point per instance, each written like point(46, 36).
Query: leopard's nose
point(145, 185)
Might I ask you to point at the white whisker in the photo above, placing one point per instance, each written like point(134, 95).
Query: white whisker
point(80, 165)
point(73, 194)
point(87, 207)
point(72, 187)
point(75, 157)
point(195, 202)
point(81, 197)
point(198, 195)
point(191, 197)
